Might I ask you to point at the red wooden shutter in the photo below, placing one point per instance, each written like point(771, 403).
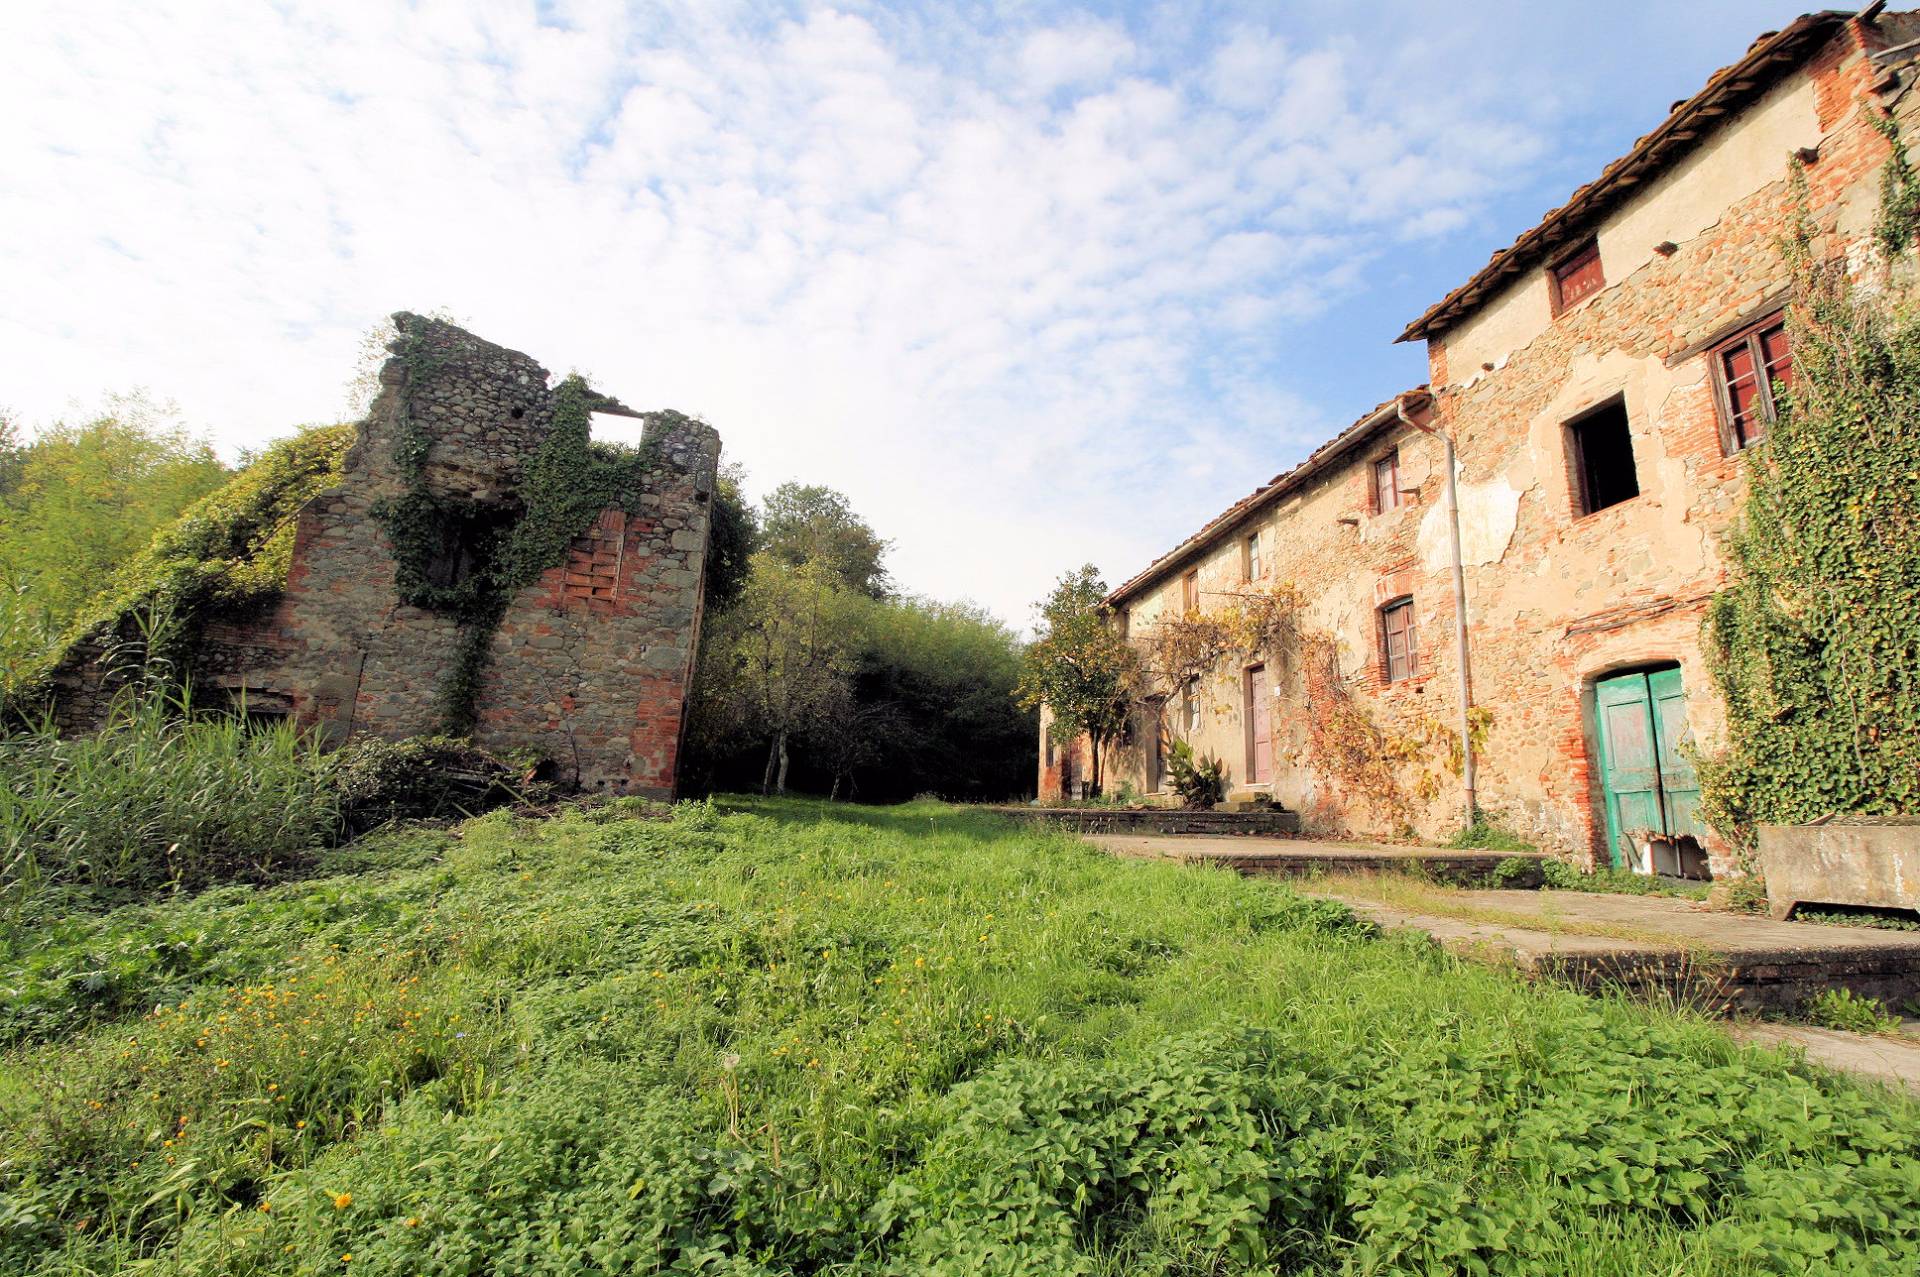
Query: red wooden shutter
point(1578, 277)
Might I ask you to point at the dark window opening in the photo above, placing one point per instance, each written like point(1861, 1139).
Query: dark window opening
point(464, 541)
point(1601, 444)
point(1399, 648)
point(1577, 278)
point(518, 413)
point(1750, 370)
point(1386, 483)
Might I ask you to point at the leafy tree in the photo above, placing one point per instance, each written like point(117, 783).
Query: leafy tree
point(847, 734)
point(777, 659)
point(80, 501)
point(806, 523)
point(949, 670)
point(1081, 667)
point(734, 537)
point(1815, 643)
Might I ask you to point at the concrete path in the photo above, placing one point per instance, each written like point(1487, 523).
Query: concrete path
point(1581, 921)
point(1720, 961)
point(1888, 1058)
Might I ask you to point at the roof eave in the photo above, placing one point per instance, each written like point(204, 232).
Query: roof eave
point(1320, 459)
point(1684, 128)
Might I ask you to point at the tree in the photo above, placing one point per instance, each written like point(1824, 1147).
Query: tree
point(734, 537)
point(80, 501)
point(778, 658)
point(805, 523)
point(847, 734)
point(949, 670)
point(1081, 667)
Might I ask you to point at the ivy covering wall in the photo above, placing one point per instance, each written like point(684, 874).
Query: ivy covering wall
point(565, 485)
point(227, 555)
point(1816, 643)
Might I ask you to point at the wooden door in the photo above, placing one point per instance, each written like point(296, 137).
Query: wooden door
point(1679, 786)
point(1260, 729)
point(1649, 781)
point(1629, 753)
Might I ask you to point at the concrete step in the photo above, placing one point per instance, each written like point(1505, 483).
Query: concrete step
point(1246, 800)
point(1304, 857)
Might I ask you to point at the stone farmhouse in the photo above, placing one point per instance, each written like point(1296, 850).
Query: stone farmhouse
point(1597, 381)
point(589, 665)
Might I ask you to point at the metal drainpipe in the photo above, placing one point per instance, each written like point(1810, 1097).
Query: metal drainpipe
point(1459, 612)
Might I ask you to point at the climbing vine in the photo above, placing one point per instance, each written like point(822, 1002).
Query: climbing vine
point(228, 555)
point(564, 486)
point(1390, 767)
point(1816, 642)
point(1249, 622)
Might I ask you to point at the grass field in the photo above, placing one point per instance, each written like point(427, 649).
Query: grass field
point(784, 1037)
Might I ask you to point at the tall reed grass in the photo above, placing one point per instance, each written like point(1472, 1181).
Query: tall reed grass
point(158, 797)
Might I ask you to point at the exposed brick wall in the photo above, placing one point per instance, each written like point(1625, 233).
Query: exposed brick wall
point(590, 665)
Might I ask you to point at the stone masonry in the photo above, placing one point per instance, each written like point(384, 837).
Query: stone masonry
point(590, 666)
point(1687, 231)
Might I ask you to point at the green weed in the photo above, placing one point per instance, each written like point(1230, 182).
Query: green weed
point(785, 1037)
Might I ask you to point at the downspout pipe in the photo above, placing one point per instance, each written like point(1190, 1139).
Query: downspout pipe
point(1462, 659)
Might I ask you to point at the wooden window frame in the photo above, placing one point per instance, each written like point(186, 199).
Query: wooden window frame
point(1410, 636)
point(1748, 337)
point(1581, 482)
point(1556, 273)
point(1190, 591)
point(1391, 460)
point(1250, 564)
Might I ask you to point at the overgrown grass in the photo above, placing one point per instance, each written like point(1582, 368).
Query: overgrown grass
point(799, 1038)
point(155, 798)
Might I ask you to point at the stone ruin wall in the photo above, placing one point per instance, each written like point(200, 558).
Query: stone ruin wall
point(591, 666)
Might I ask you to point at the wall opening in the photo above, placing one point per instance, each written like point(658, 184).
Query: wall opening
point(1600, 448)
point(465, 541)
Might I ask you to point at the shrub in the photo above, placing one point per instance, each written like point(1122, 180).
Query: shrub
point(1843, 1009)
point(424, 778)
point(1488, 834)
point(1199, 779)
point(158, 798)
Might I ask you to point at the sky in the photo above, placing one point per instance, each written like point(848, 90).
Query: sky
point(1034, 284)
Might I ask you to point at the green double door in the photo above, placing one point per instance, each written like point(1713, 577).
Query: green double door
point(1649, 781)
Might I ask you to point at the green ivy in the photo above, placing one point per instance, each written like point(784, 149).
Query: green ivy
point(227, 555)
point(1815, 643)
point(564, 486)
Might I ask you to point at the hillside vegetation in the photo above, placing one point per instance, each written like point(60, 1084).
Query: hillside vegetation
point(781, 1036)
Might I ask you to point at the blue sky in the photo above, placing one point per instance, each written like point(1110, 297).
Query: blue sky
point(1034, 283)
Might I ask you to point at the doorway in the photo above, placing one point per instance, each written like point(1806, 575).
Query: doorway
point(1259, 721)
point(1651, 793)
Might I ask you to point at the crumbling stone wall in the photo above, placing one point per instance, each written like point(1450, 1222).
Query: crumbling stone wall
point(590, 665)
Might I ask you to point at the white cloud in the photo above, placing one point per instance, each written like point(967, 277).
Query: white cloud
point(1021, 300)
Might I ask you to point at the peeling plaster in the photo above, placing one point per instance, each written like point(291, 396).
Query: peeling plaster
point(1489, 513)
